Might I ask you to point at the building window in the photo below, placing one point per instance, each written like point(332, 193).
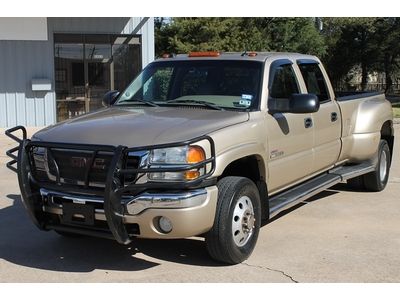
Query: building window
point(89, 65)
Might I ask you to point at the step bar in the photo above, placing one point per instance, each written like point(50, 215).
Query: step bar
point(304, 191)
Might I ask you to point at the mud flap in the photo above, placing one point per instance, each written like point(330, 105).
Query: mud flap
point(29, 199)
point(113, 208)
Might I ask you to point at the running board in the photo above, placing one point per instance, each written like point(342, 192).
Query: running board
point(316, 185)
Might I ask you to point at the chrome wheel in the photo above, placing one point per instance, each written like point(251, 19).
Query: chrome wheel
point(243, 221)
point(383, 166)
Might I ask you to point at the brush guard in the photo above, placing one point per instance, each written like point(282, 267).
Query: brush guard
point(114, 189)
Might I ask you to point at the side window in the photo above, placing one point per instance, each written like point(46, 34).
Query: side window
point(283, 82)
point(315, 81)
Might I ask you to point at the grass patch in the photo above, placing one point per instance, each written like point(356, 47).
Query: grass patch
point(396, 110)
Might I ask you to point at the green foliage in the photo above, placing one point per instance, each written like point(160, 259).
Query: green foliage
point(296, 35)
point(182, 35)
point(351, 42)
point(370, 44)
point(396, 110)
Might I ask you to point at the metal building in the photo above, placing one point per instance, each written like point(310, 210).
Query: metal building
point(52, 69)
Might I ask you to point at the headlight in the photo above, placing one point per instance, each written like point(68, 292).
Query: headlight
point(175, 157)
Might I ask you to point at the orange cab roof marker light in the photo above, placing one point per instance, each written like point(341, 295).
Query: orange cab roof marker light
point(168, 55)
point(204, 54)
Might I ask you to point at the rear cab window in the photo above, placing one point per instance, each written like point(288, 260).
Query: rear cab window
point(314, 79)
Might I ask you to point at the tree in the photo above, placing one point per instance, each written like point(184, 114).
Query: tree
point(370, 43)
point(387, 37)
point(296, 35)
point(183, 35)
point(344, 44)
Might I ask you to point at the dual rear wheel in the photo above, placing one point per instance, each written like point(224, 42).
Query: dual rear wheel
point(375, 181)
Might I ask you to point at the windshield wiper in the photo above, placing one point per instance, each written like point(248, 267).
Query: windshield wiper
point(205, 103)
point(148, 102)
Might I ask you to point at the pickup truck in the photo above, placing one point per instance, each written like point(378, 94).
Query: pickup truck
point(204, 144)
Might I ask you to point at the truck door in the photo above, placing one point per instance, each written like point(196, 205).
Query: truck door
point(290, 136)
point(327, 121)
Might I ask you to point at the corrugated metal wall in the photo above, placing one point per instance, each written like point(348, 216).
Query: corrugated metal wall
point(21, 61)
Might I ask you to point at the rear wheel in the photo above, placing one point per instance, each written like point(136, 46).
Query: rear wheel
point(376, 181)
point(237, 221)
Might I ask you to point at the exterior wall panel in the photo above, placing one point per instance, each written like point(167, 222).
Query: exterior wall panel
point(86, 25)
point(20, 62)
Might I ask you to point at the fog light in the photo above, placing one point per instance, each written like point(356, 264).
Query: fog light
point(191, 175)
point(165, 224)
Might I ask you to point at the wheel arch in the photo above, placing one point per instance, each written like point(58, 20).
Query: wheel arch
point(253, 168)
point(387, 134)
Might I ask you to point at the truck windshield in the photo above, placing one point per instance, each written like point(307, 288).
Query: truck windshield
point(220, 83)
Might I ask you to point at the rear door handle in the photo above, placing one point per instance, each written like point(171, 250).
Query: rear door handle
point(308, 123)
point(333, 117)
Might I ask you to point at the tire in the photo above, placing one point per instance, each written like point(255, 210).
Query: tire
point(237, 222)
point(376, 181)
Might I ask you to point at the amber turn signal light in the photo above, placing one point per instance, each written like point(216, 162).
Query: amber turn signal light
point(191, 175)
point(195, 155)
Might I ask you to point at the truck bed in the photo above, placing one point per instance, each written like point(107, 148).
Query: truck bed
point(352, 95)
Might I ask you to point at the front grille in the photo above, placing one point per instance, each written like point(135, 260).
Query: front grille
point(76, 167)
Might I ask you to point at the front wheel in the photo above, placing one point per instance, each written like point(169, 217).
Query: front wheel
point(237, 221)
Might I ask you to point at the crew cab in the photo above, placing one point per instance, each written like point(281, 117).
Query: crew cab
point(204, 144)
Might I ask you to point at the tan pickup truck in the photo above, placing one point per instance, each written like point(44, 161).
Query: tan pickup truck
point(206, 144)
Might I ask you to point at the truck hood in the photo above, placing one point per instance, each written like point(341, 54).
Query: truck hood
point(134, 127)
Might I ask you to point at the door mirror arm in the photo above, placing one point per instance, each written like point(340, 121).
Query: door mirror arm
point(109, 98)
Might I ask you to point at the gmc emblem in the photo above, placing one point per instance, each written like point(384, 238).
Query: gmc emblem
point(78, 162)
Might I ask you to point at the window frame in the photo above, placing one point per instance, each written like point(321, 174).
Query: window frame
point(279, 63)
point(300, 62)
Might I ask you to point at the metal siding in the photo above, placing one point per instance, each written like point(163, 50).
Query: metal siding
point(50, 108)
point(3, 102)
point(11, 109)
point(21, 108)
point(21, 61)
point(87, 25)
point(30, 112)
point(3, 110)
point(148, 42)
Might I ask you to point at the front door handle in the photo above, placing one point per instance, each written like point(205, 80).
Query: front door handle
point(308, 123)
point(333, 117)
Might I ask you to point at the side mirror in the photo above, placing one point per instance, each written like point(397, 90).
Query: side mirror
point(304, 103)
point(296, 104)
point(109, 98)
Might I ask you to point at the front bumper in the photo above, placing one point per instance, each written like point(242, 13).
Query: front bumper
point(121, 216)
point(191, 212)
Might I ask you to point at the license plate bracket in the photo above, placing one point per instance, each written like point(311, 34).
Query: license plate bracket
point(78, 214)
